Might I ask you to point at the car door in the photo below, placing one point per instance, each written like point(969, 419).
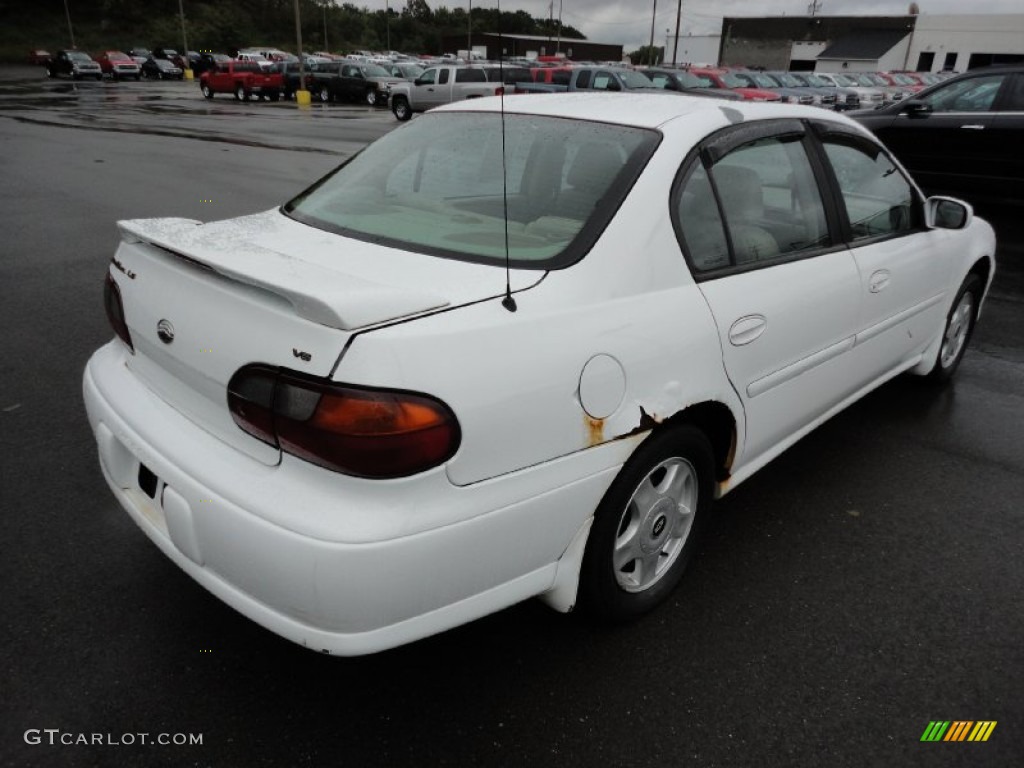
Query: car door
point(784, 291)
point(350, 85)
point(1004, 141)
point(425, 88)
point(904, 267)
point(946, 145)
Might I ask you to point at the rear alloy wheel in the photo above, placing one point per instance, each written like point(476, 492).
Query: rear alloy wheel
point(207, 91)
point(646, 526)
point(400, 106)
point(240, 93)
point(325, 94)
point(958, 329)
point(371, 97)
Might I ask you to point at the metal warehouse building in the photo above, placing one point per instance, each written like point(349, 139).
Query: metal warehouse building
point(871, 43)
point(533, 45)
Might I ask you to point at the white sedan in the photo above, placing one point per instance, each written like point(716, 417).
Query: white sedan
point(513, 349)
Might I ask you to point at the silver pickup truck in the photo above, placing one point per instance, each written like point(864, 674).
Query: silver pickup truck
point(440, 85)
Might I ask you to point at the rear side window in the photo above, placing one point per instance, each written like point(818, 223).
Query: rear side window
point(701, 223)
point(878, 200)
point(470, 76)
point(583, 79)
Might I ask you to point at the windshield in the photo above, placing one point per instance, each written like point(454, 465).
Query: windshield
point(818, 82)
point(372, 70)
point(845, 80)
point(78, 56)
point(435, 186)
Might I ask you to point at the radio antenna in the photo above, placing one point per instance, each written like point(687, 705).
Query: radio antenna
point(508, 302)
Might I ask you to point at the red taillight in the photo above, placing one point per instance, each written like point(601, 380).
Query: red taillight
point(115, 311)
point(499, 91)
point(365, 432)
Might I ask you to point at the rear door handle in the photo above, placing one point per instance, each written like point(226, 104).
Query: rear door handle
point(746, 329)
point(973, 127)
point(879, 281)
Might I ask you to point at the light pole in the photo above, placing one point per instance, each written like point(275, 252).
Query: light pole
point(469, 31)
point(558, 45)
point(71, 30)
point(302, 97)
point(675, 47)
point(326, 46)
point(387, 24)
point(184, 42)
point(650, 48)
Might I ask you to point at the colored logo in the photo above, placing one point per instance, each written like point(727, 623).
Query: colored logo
point(958, 730)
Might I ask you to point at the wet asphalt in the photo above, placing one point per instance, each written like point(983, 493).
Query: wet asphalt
point(867, 582)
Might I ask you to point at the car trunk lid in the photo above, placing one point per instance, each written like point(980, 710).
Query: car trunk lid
point(202, 301)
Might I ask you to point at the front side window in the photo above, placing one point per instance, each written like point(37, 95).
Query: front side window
point(974, 94)
point(442, 77)
point(435, 186)
point(879, 201)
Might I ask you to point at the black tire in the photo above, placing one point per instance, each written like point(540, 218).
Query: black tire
point(400, 106)
point(274, 95)
point(207, 91)
point(240, 93)
point(137, 78)
point(959, 327)
point(654, 510)
point(324, 94)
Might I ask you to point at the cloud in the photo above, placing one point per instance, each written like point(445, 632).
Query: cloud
point(628, 22)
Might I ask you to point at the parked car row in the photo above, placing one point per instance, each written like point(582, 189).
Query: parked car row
point(116, 65)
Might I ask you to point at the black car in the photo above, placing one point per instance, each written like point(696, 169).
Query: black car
point(74, 64)
point(354, 81)
point(961, 137)
point(205, 61)
point(161, 69)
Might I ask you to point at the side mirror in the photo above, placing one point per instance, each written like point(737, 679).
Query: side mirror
point(947, 213)
point(916, 108)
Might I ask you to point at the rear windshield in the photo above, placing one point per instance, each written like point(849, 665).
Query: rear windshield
point(434, 186)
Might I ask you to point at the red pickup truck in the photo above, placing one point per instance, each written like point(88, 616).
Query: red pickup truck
point(245, 79)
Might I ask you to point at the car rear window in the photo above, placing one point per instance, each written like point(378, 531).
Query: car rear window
point(435, 186)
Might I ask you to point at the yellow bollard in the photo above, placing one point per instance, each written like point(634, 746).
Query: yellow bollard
point(303, 98)
point(189, 74)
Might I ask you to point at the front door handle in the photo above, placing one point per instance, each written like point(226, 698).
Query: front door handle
point(973, 127)
point(879, 281)
point(746, 329)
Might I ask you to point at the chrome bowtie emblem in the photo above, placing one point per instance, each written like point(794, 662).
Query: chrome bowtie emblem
point(165, 331)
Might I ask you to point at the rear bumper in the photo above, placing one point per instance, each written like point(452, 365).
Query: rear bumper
point(334, 563)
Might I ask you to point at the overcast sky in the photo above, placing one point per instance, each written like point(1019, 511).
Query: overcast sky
point(629, 21)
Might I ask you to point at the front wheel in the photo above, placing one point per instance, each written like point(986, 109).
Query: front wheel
point(400, 106)
point(207, 91)
point(240, 93)
point(958, 329)
point(646, 526)
point(371, 97)
point(325, 94)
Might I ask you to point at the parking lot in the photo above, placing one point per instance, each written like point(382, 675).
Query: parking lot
point(867, 582)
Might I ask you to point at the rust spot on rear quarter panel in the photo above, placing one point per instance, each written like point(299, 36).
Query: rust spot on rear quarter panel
point(595, 430)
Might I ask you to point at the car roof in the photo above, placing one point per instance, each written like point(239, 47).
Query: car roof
point(641, 110)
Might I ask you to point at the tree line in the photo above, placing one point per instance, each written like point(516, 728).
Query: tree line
point(222, 25)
